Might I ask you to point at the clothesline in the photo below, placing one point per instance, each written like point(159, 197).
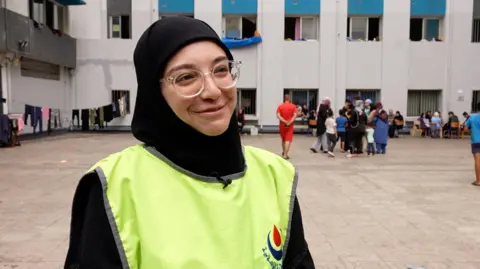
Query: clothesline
point(61, 109)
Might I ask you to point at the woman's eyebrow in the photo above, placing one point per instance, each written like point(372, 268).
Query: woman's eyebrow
point(219, 59)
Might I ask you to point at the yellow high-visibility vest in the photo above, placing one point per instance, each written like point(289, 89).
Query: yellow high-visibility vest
point(165, 217)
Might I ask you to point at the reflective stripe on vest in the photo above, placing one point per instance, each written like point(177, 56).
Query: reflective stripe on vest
point(165, 217)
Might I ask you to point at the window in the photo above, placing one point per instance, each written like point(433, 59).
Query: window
point(475, 101)
point(476, 31)
point(373, 95)
point(239, 27)
point(54, 15)
point(420, 101)
point(119, 27)
point(37, 10)
point(247, 100)
point(117, 94)
point(37, 69)
point(301, 28)
point(425, 28)
point(303, 97)
point(363, 28)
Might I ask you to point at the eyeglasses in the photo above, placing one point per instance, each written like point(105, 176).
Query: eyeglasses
point(191, 82)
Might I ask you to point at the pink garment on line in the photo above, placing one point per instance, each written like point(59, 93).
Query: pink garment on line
point(20, 124)
point(45, 113)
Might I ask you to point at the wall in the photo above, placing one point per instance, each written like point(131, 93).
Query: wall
point(332, 64)
point(19, 6)
point(39, 92)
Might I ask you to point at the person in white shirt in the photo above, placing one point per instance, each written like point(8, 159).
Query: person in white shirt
point(332, 135)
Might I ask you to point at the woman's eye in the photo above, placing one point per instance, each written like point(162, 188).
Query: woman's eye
point(221, 69)
point(185, 77)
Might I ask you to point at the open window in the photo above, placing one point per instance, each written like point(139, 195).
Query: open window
point(301, 97)
point(247, 100)
point(37, 10)
point(301, 28)
point(239, 27)
point(363, 28)
point(118, 94)
point(476, 30)
point(54, 15)
point(426, 28)
point(119, 27)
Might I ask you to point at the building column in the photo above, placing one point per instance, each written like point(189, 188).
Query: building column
point(395, 55)
point(271, 24)
point(6, 91)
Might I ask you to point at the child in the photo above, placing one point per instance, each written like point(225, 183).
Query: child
point(370, 139)
point(341, 128)
point(331, 126)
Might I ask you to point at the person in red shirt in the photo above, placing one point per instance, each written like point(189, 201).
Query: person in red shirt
point(286, 113)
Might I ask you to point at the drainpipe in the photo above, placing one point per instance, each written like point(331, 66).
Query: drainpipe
point(448, 75)
point(259, 68)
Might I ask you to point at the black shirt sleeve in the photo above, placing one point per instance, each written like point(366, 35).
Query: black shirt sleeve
point(92, 245)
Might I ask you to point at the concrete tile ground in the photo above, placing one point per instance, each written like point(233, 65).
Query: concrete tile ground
point(414, 206)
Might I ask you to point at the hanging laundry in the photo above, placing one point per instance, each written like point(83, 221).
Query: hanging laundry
point(76, 113)
point(5, 129)
point(122, 106)
point(45, 113)
point(85, 119)
point(116, 109)
point(55, 117)
point(35, 114)
point(108, 113)
point(92, 114)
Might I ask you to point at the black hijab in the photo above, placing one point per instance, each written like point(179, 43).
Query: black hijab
point(155, 124)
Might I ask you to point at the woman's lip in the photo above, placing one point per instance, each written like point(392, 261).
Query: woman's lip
point(210, 110)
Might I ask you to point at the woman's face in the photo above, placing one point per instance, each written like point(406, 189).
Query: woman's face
point(210, 111)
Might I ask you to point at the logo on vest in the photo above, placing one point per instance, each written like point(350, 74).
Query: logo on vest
point(273, 251)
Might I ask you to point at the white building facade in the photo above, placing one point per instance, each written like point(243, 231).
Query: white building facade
point(37, 59)
point(334, 53)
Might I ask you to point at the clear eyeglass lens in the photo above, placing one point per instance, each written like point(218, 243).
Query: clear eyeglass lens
point(191, 82)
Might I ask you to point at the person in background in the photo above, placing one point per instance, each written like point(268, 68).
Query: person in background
point(312, 122)
point(473, 123)
point(466, 116)
point(422, 126)
point(178, 199)
point(331, 131)
point(452, 118)
point(368, 108)
point(380, 118)
point(370, 139)
point(436, 125)
point(322, 114)
point(286, 113)
point(357, 125)
point(341, 122)
point(398, 121)
point(240, 120)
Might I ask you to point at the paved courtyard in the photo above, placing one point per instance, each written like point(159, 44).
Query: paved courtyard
point(414, 206)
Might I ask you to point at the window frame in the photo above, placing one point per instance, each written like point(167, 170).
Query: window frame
point(110, 27)
point(422, 91)
point(475, 34)
point(127, 98)
point(441, 21)
point(365, 38)
point(43, 11)
point(239, 99)
point(316, 20)
point(290, 92)
point(239, 23)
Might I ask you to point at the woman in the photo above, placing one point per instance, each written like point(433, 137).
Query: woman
point(186, 198)
point(240, 120)
point(422, 126)
point(380, 118)
point(322, 115)
point(398, 121)
point(356, 132)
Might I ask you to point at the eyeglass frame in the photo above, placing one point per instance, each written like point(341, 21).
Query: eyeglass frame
point(171, 79)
